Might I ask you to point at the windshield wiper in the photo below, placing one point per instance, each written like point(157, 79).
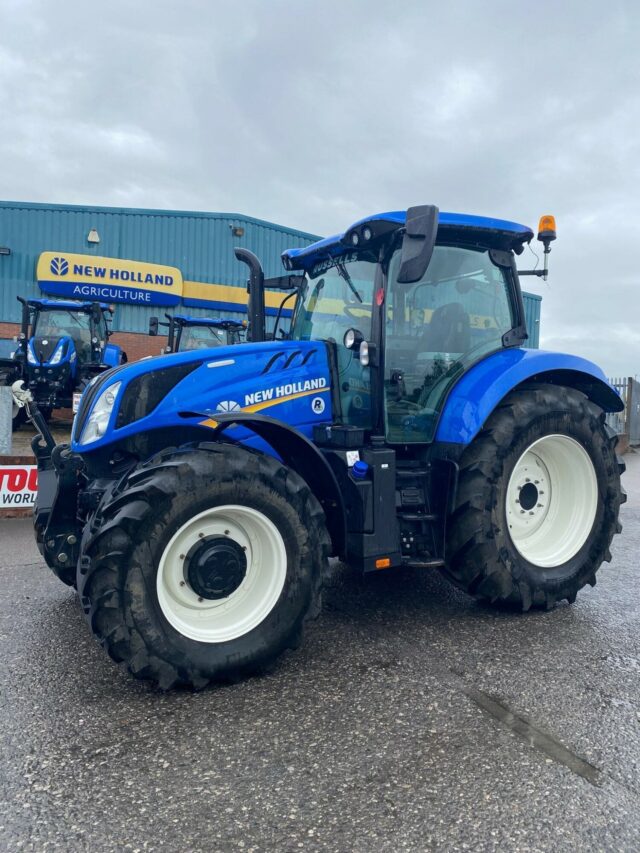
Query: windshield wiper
point(345, 275)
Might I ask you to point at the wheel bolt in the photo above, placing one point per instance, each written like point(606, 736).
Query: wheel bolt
point(226, 533)
point(182, 556)
point(62, 558)
point(71, 539)
point(200, 598)
point(181, 583)
point(201, 535)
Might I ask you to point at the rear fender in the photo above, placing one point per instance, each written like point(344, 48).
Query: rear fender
point(472, 400)
point(300, 454)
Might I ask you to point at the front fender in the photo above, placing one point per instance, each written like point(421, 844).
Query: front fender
point(484, 386)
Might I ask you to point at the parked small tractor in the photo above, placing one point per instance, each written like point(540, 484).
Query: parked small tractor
point(195, 333)
point(61, 346)
point(399, 422)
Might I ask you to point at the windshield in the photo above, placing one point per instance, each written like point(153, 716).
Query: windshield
point(201, 337)
point(59, 323)
point(337, 297)
point(435, 329)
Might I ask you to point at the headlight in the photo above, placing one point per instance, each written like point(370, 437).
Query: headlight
point(57, 354)
point(98, 420)
point(30, 356)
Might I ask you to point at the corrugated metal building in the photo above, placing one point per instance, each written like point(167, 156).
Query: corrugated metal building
point(199, 245)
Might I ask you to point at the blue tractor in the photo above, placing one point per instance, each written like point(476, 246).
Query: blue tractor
point(192, 333)
point(62, 345)
point(400, 422)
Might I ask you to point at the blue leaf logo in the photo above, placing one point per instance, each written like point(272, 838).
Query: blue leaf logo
point(59, 266)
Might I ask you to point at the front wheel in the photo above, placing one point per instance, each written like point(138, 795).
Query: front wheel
point(203, 565)
point(538, 500)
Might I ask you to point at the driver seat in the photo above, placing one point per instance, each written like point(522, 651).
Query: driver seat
point(448, 331)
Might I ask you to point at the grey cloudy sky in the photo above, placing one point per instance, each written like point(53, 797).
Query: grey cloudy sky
point(313, 114)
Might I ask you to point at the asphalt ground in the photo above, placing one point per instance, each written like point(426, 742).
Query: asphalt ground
point(411, 718)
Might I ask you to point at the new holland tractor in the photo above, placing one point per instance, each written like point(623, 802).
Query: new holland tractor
point(62, 345)
point(400, 422)
point(192, 333)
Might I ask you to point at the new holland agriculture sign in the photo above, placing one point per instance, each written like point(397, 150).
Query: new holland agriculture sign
point(108, 279)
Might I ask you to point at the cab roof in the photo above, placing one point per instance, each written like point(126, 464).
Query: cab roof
point(207, 321)
point(64, 304)
point(463, 227)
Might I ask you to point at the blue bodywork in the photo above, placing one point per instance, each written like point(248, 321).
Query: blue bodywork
point(481, 389)
point(280, 380)
point(64, 353)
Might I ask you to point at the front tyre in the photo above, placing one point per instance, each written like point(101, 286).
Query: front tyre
point(203, 565)
point(538, 500)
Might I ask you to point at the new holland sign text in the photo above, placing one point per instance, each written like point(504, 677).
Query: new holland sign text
point(108, 279)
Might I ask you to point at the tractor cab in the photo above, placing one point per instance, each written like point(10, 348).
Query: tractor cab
point(195, 333)
point(405, 329)
point(58, 329)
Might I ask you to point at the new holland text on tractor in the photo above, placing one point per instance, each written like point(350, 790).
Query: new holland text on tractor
point(400, 422)
point(62, 345)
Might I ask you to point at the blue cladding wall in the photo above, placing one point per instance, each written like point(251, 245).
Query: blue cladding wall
point(199, 244)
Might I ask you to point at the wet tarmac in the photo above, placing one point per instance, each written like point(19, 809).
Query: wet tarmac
point(410, 719)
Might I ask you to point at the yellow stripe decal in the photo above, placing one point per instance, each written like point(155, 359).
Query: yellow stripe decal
point(257, 407)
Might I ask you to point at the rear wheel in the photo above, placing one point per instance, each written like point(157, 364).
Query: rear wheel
point(538, 500)
point(203, 565)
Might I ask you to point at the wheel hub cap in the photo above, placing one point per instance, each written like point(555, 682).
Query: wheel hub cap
point(551, 500)
point(215, 567)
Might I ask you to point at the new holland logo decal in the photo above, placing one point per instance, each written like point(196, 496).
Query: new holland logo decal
point(59, 266)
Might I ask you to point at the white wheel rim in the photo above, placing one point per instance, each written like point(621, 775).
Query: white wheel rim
point(558, 472)
point(223, 619)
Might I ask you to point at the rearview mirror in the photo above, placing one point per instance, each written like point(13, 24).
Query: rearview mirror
point(418, 242)
point(153, 326)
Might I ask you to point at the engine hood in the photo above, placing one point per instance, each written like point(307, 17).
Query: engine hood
point(288, 380)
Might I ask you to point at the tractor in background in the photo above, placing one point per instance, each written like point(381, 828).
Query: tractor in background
point(61, 347)
point(194, 333)
point(400, 422)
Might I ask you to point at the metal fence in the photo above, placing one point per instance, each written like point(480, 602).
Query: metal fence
point(627, 422)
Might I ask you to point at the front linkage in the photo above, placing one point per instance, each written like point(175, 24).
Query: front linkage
point(56, 508)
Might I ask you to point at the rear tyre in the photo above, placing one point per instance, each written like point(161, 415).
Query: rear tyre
point(538, 500)
point(203, 565)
